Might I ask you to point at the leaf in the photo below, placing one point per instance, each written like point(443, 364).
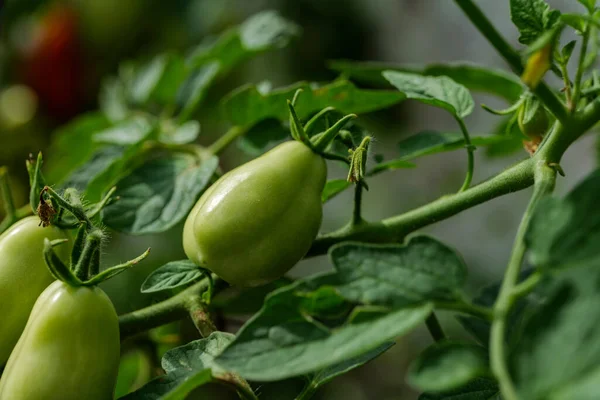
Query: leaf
point(193, 90)
point(333, 188)
point(263, 31)
point(171, 133)
point(159, 80)
point(171, 275)
point(247, 106)
point(564, 233)
point(398, 275)
point(474, 77)
point(447, 366)
point(245, 301)
point(187, 367)
point(392, 164)
point(134, 370)
point(283, 341)
point(263, 135)
point(78, 134)
point(326, 375)
point(113, 99)
point(478, 389)
point(589, 4)
point(437, 91)
point(103, 169)
point(158, 194)
point(558, 352)
point(431, 142)
point(126, 133)
point(532, 18)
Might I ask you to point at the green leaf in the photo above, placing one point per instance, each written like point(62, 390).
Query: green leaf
point(171, 133)
point(193, 90)
point(187, 367)
point(159, 80)
point(474, 77)
point(430, 142)
point(247, 106)
point(159, 194)
point(262, 32)
point(134, 371)
point(589, 4)
point(62, 158)
point(333, 188)
point(171, 275)
point(437, 91)
point(398, 275)
point(478, 389)
point(557, 355)
point(113, 99)
point(263, 135)
point(388, 165)
point(447, 366)
point(103, 169)
point(245, 301)
point(283, 340)
point(532, 18)
point(564, 233)
point(125, 133)
point(326, 375)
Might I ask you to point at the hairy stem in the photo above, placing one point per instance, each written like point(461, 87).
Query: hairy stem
point(471, 157)
point(545, 178)
point(169, 310)
point(221, 143)
point(434, 328)
point(356, 212)
point(580, 69)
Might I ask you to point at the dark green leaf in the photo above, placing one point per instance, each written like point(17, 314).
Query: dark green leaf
point(558, 352)
point(186, 367)
point(158, 194)
point(247, 106)
point(431, 142)
point(333, 188)
point(171, 275)
point(264, 31)
point(438, 91)
point(448, 366)
point(193, 90)
point(245, 301)
point(478, 389)
point(474, 77)
point(62, 158)
point(125, 133)
point(263, 135)
point(326, 375)
point(398, 275)
point(283, 340)
point(565, 233)
point(532, 18)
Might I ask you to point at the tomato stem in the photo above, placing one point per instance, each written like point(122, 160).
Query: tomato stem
point(435, 328)
point(225, 140)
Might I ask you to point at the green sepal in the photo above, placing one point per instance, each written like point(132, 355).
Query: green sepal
point(117, 269)
point(57, 268)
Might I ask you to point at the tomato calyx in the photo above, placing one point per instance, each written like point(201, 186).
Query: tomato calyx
point(317, 142)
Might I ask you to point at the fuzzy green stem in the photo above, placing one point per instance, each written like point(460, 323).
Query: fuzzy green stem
point(485, 27)
point(470, 150)
point(356, 212)
point(77, 211)
point(229, 137)
point(169, 310)
point(545, 178)
point(308, 392)
point(580, 69)
point(567, 82)
point(465, 307)
point(92, 242)
point(434, 327)
point(525, 287)
point(200, 315)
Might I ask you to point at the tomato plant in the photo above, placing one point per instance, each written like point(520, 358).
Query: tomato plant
point(135, 166)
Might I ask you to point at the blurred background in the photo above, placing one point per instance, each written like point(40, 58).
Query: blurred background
point(54, 56)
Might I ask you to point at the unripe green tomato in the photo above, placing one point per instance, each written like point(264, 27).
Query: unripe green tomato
point(537, 126)
point(23, 276)
point(69, 349)
point(259, 219)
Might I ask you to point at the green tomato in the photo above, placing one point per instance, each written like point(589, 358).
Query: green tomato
point(259, 219)
point(69, 349)
point(23, 276)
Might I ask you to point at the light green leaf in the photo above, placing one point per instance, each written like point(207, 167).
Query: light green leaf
point(474, 77)
point(125, 133)
point(532, 18)
point(158, 80)
point(263, 135)
point(172, 275)
point(159, 194)
point(398, 275)
point(192, 91)
point(171, 133)
point(247, 106)
point(113, 99)
point(333, 188)
point(283, 340)
point(389, 165)
point(565, 233)
point(438, 91)
point(478, 389)
point(448, 366)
